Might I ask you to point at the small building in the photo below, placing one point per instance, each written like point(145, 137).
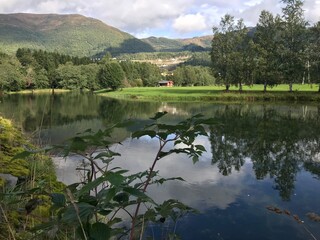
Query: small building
point(164, 83)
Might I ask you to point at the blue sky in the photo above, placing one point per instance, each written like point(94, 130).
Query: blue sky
point(166, 18)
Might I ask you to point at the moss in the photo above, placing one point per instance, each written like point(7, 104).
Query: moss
point(39, 172)
point(39, 166)
point(11, 142)
point(2, 182)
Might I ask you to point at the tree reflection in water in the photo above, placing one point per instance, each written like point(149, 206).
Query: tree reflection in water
point(278, 145)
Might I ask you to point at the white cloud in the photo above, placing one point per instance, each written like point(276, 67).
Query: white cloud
point(190, 23)
point(312, 12)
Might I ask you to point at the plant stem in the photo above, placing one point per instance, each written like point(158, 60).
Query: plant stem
point(149, 177)
point(145, 187)
point(7, 221)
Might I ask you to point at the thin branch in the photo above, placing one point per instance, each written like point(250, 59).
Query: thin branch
point(77, 212)
point(7, 222)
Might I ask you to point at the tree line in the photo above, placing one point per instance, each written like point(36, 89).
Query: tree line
point(38, 69)
point(279, 50)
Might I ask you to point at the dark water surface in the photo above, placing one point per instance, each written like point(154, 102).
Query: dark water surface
point(258, 156)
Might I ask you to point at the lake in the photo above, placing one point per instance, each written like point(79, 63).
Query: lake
point(262, 158)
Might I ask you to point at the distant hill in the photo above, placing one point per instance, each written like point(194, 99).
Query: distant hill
point(204, 41)
point(78, 35)
point(196, 44)
point(69, 34)
point(161, 44)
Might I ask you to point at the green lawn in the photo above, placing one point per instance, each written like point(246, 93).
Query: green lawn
point(304, 92)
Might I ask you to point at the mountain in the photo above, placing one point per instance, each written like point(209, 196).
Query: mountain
point(162, 44)
point(204, 41)
point(70, 34)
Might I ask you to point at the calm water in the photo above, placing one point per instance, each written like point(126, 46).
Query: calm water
point(258, 155)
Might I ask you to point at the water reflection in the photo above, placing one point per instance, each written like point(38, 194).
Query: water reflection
point(277, 144)
point(258, 155)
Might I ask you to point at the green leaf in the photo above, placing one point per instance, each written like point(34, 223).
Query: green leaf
point(150, 215)
point(78, 144)
point(82, 210)
point(162, 180)
point(121, 197)
point(201, 148)
point(115, 179)
point(22, 155)
point(73, 187)
point(92, 200)
point(163, 135)
point(170, 128)
point(159, 115)
point(107, 194)
point(107, 154)
point(91, 185)
point(58, 199)
point(195, 159)
point(100, 231)
point(141, 133)
point(104, 212)
point(137, 193)
point(197, 116)
point(163, 154)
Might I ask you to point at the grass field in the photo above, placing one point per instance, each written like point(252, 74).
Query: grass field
point(304, 92)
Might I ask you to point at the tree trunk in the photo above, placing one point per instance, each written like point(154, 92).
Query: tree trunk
point(227, 87)
point(240, 87)
point(265, 87)
point(319, 89)
point(290, 87)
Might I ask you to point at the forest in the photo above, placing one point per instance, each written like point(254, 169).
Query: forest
point(278, 50)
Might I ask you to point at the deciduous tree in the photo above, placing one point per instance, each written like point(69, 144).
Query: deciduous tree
point(294, 43)
point(111, 75)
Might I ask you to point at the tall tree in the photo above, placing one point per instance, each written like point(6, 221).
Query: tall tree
point(294, 41)
point(150, 74)
point(89, 74)
point(71, 77)
point(313, 63)
point(222, 48)
point(11, 78)
point(111, 75)
point(227, 51)
point(268, 38)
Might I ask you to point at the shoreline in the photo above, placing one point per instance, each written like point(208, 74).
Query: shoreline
point(210, 94)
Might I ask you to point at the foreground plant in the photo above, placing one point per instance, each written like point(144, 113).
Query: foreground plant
point(91, 209)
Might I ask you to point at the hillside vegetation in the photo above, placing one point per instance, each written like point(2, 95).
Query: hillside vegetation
point(82, 36)
point(195, 44)
point(70, 34)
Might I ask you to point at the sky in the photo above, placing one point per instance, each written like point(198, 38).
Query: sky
point(160, 18)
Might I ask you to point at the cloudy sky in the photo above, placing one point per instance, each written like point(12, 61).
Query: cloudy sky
point(167, 18)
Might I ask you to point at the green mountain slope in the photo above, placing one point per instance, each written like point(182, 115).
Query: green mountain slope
point(204, 41)
point(162, 44)
point(69, 34)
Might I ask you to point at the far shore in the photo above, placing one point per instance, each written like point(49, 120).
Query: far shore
point(305, 92)
point(300, 92)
